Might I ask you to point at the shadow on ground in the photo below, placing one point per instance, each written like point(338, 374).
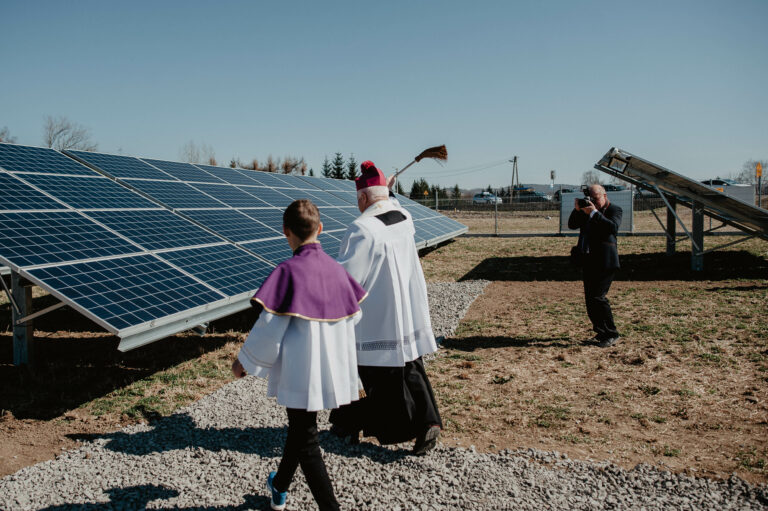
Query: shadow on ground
point(179, 431)
point(634, 267)
point(481, 342)
point(69, 371)
point(137, 497)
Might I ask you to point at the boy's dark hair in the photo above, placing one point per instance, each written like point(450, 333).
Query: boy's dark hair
point(302, 218)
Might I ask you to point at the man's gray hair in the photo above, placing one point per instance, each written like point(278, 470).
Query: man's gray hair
point(375, 192)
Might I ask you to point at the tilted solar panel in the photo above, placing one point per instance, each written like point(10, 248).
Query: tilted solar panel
point(165, 245)
point(184, 171)
point(19, 158)
point(97, 192)
point(17, 195)
point(225, 267)
point(154, 229)
point(126, 291)
point(120, 166)
point(34, 238)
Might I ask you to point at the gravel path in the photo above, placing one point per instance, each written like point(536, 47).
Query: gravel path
point(216, 454)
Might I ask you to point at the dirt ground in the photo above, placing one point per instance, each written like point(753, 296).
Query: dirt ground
point(685, 389)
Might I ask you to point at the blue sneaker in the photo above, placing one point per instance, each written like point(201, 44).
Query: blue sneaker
point(277, 499)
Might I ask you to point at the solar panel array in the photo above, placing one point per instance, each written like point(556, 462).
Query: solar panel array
point(146, 247)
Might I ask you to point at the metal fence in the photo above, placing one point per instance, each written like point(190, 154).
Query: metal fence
point(543, 217)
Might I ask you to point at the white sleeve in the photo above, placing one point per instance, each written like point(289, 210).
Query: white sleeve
point(356, 254)
point(262, 347)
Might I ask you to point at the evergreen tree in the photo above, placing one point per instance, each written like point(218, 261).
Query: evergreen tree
point(489, 189)
point(337, 171)
point(418, 188)
point(456, 192)
point(400, 188)
point(352, 168)
point(326, 168)
point(311, 172)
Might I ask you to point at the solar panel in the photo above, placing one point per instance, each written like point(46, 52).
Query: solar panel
point(231, 224)
point(120, 166)
point(34, 238)
point(17, 195)
point(268, 195)
point(232, 176)
point(126, 291)
point(330, 243)
point(80, 192)
point(165, 245)
point(184, 171)
point(19, 158)
point(275, 250)
point(176, 194)
point(271, 217)
point(231, 196)
point(155, 229)
point(227, 268)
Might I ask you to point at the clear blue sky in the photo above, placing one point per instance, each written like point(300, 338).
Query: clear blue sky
point(681, 83)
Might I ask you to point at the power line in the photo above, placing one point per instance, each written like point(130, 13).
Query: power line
point(466, 170)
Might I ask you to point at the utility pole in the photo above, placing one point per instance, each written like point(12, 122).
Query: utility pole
point(515, 179)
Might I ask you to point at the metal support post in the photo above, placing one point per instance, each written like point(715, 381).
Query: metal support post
point(23, 332)
point(496, 217)
point(436, 197)
point(697, 237)
point(671, 226)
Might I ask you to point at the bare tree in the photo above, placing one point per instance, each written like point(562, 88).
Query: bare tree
point(271, 165)
point(748, 171)
point(293, 165)
point(194, 153)
point(5, 136)
point(590, 177)
point(60, 133)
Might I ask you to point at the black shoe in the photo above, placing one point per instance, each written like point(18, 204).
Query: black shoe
point(427, 440)
point(345, 435)
point(607, 343)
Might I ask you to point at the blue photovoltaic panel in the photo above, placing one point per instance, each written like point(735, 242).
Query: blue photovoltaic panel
point(155, 229)
point(19, 158)
point(289, 181)
point(329, 199)
point(330, 244)
point(275, 251)
point(231, 196)
point(321, 183)
point(121, 166)
point(126, 291)
point(296, 194)
point(227, 268)
point(231, 176)
point(268, 195)
point(268, 216)
point(329, 220)
point(419, 212)
point(184, 171)
point(349, 197)
point(345, 184)
point(260, 178)
point(176, 195)
point(88, 192)
point(17, 195)
point(28, 239)
point(231, 224)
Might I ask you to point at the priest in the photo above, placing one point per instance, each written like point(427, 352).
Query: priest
point(395, 332)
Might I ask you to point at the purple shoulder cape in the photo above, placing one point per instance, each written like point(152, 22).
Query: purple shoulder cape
point(311, 285)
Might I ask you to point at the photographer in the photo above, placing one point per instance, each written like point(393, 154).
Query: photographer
point(598, 222)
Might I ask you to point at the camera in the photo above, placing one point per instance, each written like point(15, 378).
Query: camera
point(584, 203)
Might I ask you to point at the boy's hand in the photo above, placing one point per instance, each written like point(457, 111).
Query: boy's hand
point(237, 369)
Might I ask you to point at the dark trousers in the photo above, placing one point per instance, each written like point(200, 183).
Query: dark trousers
point(302, 448)
point(597, 282)
point(399, 404)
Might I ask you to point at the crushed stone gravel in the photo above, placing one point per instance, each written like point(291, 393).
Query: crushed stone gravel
point(216, 454)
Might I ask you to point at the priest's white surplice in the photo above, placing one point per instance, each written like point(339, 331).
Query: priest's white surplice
point(310, 365)
point(396, 327)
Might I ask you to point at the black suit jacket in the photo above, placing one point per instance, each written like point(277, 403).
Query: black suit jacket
point(600, 232)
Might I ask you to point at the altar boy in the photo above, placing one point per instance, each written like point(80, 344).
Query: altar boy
point(304, 343)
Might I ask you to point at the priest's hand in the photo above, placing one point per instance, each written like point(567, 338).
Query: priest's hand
point(391, 180)
point(237, 369)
